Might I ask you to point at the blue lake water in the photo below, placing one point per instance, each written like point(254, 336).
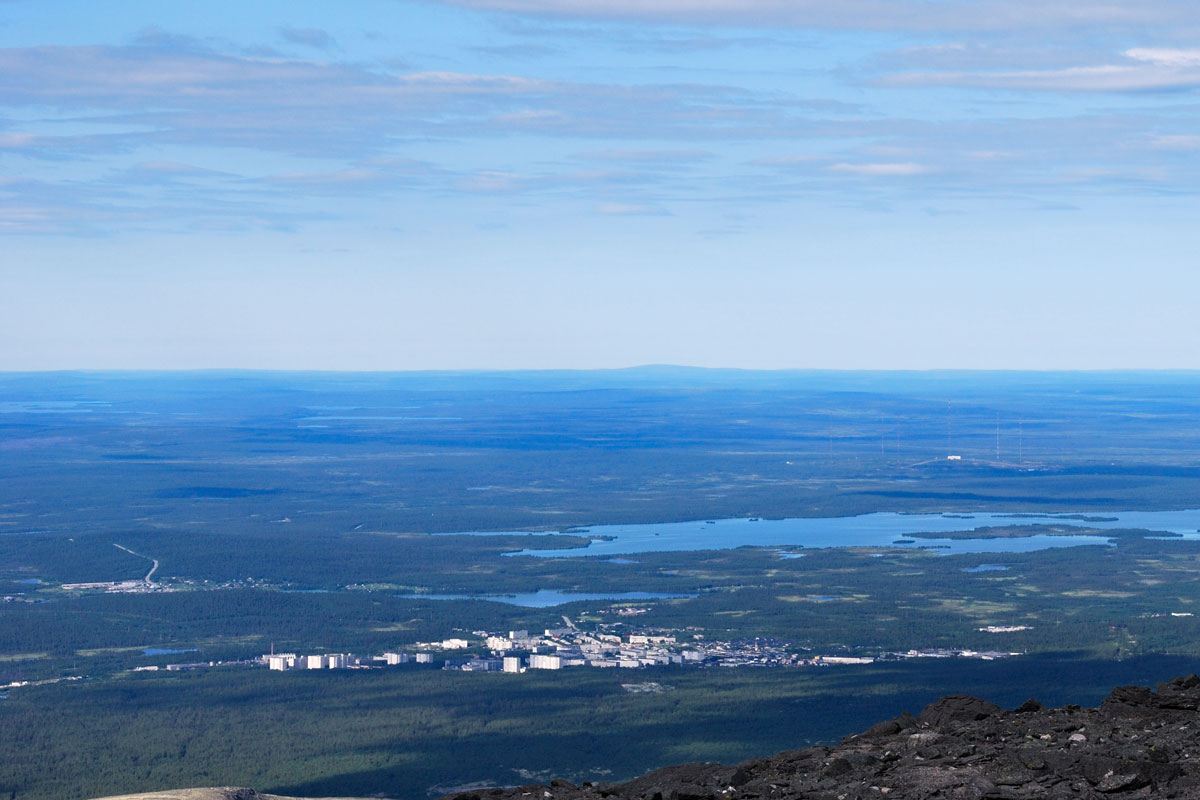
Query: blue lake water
point(868, 530)
point(545, 598)
point(986, 568)
point(166, 651)
point(49, 406)
point(376, 418)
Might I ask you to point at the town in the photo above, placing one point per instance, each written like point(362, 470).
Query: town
point(517, 651)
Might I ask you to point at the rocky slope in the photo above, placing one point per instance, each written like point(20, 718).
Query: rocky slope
point(1138, 744)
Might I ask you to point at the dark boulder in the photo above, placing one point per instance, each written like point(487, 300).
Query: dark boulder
point(1030, 706)
point(956, 708)
point(880, 729)
point(1129, 699)
point(1180, 693)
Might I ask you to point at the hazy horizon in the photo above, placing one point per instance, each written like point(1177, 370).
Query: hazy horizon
point(615, 369)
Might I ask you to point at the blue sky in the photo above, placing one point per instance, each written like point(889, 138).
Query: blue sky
point(599, 183)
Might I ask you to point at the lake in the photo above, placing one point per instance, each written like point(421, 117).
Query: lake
point(868, 530)
point(546, 598)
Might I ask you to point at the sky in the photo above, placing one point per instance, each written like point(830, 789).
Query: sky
point(500, 184)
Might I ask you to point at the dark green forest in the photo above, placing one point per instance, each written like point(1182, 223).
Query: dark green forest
point(409, 732)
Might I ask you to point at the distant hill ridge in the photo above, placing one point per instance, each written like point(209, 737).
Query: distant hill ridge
point(1138, 743)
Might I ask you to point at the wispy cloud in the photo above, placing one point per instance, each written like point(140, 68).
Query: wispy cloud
point(175, 92)
point(132, 200)
point(374, 176)
point(907, 15)
point(518, 51)
point(637, 38)
point(308, 37)
point(171, 172)
point(1136, 69)
point(621, 144)
point(982, 52)
point(1175, 141)
point(308, 107)
point(1166, 56)
point(652, 158)
point(17, 140)
point(787, 161)
point(894, 169)
point(629, 210)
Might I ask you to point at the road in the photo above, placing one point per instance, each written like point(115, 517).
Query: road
point(153, 569)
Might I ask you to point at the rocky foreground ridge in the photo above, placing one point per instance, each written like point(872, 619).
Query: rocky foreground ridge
point(1138, 743)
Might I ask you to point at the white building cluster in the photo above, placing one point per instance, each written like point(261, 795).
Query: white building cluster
point(282, 662)
point(940, 652)
point(561, 648)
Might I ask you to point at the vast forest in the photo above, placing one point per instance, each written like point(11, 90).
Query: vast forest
point(327, 513)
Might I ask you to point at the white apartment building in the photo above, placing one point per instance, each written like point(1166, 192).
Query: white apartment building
point(281, 662)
